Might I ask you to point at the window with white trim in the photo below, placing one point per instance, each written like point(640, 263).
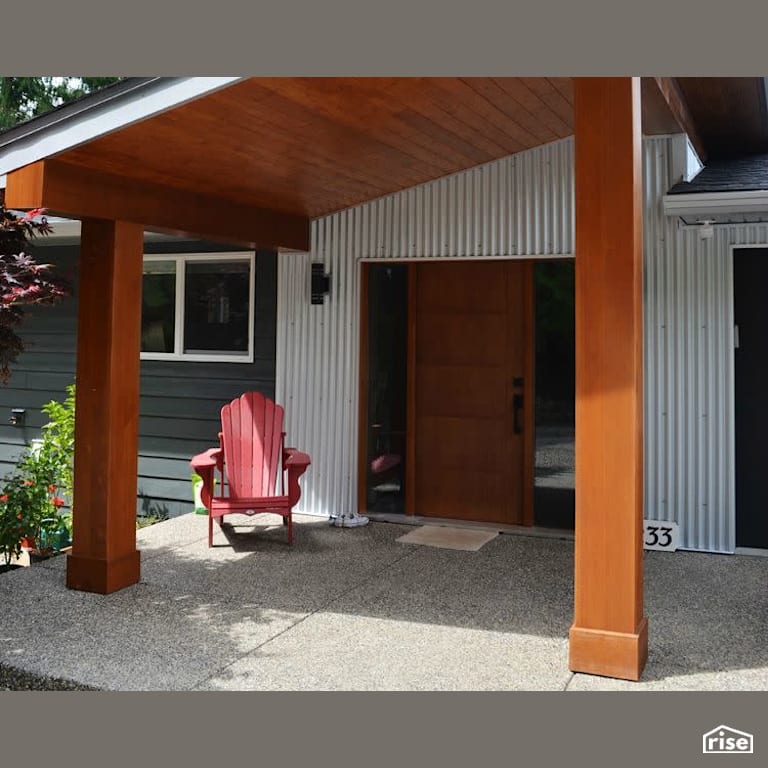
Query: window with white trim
point(198, 307)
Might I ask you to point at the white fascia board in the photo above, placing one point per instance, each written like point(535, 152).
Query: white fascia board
point(714, 203)
point(693, 164)
point(91, 124)
point(686, 164)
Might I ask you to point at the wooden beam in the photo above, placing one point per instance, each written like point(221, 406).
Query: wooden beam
point(665, 110)
point(79, 192)
point(609, 634)
point(104, 557)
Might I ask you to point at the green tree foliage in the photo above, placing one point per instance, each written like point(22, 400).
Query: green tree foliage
point(24, 97)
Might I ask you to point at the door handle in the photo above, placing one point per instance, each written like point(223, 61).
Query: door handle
point(517, 408)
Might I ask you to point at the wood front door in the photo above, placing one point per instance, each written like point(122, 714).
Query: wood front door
point(471, 390)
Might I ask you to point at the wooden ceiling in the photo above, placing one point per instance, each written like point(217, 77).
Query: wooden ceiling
point(730, 113)
point(311, 146)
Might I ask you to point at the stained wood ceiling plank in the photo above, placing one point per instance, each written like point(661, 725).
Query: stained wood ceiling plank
point(484, 115)
point(425, 108)
point(286, 194)
point(389, 130)
point(524, 107)
point(314, 145)
point(564, 85)
point(560, 112)
point(515, 118)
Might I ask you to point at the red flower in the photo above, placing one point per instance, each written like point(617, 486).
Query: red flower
point(19, 516)
point(52, 488)
point(57, 502)
point(4, 497)
point(29, 482)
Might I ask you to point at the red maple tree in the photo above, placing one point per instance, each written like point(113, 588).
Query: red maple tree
point(23, 282)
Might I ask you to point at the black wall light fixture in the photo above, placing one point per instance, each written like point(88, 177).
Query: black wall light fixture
point(321, 283)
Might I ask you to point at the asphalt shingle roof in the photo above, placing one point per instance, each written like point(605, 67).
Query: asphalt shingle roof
point(747, 174)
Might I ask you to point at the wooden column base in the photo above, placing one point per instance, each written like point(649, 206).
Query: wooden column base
point(103, 576)
point(610, 654)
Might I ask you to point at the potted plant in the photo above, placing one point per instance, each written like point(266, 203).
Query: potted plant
point(197, 491)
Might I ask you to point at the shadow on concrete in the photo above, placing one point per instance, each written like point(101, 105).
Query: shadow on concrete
point(354, 608)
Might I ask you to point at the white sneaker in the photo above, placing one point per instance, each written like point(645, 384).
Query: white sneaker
point(351, 521)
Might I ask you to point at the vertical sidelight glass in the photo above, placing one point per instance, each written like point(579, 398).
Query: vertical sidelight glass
point(554, 492)
point(387, 387)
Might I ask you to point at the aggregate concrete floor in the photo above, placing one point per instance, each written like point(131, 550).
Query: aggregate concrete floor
point(353, 609)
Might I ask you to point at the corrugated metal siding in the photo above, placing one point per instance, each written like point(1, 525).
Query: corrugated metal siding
point(518, 206)
point(689, 364)
point(688, 370)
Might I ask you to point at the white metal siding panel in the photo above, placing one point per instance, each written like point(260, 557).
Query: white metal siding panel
point(518, 206)
point(682, 431)
point(689, 359)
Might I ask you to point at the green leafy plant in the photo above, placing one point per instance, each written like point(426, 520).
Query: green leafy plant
point(34, 496)
point(144, 521)
point(58, 444)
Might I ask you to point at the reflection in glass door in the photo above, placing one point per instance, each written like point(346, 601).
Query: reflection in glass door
point(554, 492)
point(387, 388)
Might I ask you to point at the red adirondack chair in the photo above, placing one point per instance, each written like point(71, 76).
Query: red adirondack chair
point(251, 458)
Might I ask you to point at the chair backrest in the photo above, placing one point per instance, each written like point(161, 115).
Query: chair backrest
point(252, 437)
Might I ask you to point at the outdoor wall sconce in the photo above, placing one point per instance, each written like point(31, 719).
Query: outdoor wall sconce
point(18, 417)
point(320, 283)
point(706, 228)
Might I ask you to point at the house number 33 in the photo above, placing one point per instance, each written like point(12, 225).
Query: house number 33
point(660, 535)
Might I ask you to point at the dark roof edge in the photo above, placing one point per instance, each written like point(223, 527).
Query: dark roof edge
point(90, 102)
point(748, 173)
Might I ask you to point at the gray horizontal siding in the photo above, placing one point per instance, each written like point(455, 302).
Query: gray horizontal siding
point(46, 367)
point(180, 401)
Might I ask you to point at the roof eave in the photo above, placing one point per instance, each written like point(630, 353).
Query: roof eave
point(87, 120)
point(715, 203)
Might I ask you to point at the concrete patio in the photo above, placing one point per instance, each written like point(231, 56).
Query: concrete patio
point(353, 609)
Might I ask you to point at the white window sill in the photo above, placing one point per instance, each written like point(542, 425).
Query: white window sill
point(197, 358)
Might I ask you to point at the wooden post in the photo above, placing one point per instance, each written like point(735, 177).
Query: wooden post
point(609, 635)
point(104, 556)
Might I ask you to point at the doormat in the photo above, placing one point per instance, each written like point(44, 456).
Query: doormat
point(467, 539)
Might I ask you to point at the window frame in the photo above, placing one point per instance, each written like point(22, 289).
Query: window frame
point(180, 260)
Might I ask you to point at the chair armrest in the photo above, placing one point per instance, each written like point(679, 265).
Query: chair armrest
point(294, 458)
point(295, 463)
point(209, 459)
point(204, 465)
